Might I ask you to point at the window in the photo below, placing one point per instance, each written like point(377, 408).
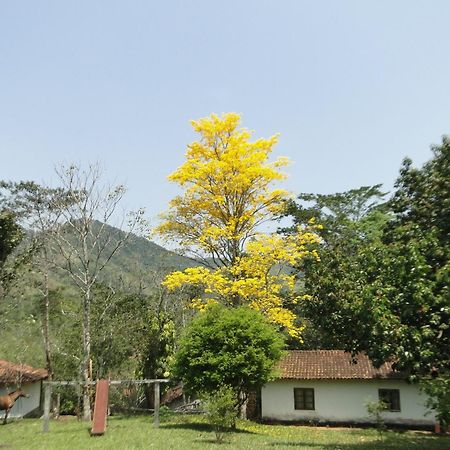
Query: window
point(391, 397)
point(303, 398)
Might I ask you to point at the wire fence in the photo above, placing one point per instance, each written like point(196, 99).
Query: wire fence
point(125, 397)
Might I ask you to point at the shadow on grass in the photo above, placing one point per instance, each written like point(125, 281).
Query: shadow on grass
point(212, 441)
point(394, 444)
point(372, 446)
point(195, 426)
point(130, 416)
point(61, 430)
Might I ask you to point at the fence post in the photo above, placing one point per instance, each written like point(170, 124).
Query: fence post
point(57, 406)
point(47, 398)
point(156, 412)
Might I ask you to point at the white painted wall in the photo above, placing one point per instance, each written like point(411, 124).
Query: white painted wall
point(23, 405)
point(342, 401)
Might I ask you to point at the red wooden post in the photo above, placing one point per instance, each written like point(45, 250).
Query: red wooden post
point(437, 427)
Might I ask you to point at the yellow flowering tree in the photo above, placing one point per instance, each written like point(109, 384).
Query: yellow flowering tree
point(228, 193)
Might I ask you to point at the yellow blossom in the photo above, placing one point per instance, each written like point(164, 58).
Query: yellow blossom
point(227, 182)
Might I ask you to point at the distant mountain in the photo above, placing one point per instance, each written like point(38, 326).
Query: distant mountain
point(140, 255)
point(137, 257)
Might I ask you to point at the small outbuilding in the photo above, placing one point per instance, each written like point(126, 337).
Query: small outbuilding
point(331, 386)
point(14, 376)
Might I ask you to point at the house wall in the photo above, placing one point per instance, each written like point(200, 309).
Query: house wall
point(342, 401)
point(23, 405)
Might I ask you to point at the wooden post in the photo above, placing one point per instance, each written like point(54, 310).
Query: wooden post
point(156, 412)
point(47, 398)
point(57, 406)
point(437, 427)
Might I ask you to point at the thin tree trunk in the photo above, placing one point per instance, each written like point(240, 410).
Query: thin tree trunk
point(46, 327)
point(86, 354)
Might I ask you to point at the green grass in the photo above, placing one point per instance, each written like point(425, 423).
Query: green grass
point(194, 433)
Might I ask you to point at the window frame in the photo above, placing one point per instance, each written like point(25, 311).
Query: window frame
point(301, 404)
point(391, 397)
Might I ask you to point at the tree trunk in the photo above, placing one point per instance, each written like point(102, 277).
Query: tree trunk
point(86, 354)
point(46, 327)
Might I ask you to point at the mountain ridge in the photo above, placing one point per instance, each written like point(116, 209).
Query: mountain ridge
point(136, 257)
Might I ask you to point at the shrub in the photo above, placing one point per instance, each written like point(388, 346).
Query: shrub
point(375, 410)
point(438, 397)
point(221, 410)
point(235, 347)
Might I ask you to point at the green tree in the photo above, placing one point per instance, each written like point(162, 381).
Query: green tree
point(40, 208)
point(11, 234)
point(408, 290)
point(135, 325)
point(227, 347)
point(408, 293)
point(349, 222)
point(383, 283)
point(133, 333)
point(14, 255)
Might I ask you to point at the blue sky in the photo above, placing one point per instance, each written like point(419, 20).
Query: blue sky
point(352, 86)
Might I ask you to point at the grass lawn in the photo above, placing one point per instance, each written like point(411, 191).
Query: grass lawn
point(193, 433)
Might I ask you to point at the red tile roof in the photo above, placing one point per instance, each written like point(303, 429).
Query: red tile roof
point(12, 373)
point(331, 365)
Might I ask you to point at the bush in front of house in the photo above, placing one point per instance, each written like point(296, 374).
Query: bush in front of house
point(233, 347)
point(221, 410)
point(375, 410)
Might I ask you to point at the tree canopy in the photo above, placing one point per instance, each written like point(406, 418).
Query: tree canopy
point(227, 182)
point(383, 282)
point(410, 282)
point(227, 347)
point(351, 221)
point(227, 190)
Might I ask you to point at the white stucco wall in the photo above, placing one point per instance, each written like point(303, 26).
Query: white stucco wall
point(23, 405)
point(342, 401)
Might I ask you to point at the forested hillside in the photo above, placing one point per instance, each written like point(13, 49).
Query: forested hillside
point(128, 288)
point(138, 258)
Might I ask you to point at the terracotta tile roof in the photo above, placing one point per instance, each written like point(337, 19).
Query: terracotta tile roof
point(331, 365)
point(12, 373)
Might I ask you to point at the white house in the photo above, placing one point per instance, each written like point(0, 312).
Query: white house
point(14, 376)
point(328, 386)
